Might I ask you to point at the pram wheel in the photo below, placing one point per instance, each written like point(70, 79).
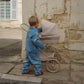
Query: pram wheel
point(53, 65)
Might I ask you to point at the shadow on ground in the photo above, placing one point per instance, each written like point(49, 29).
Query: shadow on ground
point(10, 50)
point(10, 47)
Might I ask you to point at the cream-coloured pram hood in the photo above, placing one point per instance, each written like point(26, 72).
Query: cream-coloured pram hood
point(50, 32)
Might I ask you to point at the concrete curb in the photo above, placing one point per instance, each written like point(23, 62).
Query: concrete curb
point(12, 79)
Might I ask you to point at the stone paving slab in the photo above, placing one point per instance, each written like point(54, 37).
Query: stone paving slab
point(72, 82)
point(78, 82)
point(67, 82)
point(77, 72)
point(17, 70)
point(5, 67)
point(64, 67)
point(77, 76)
point(63, 74)
point(77, 67)
point(50, 81)
point(20, 79)
point(83, 82)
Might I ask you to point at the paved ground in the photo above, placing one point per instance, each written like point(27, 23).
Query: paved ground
point(68, 74)
point(11, 69)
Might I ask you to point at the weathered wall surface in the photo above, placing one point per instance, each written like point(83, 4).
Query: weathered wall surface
point(69, 16)
point(13, 23)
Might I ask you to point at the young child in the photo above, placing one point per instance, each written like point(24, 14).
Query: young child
point(33, 45)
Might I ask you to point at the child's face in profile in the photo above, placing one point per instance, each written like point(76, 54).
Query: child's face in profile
point(37, 25)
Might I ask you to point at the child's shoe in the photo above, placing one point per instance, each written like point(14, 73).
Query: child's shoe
point(41, 73)
point(29, 72)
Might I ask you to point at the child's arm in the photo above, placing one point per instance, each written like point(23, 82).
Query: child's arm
point(36, 41)
point(39, 29)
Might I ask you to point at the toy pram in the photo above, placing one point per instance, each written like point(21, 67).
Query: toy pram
point(52, 64)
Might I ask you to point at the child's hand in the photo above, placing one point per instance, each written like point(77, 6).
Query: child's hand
point(43, 46)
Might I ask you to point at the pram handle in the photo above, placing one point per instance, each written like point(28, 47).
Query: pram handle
point(23, 25)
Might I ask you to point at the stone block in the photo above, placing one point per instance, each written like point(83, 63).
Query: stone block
point(77, 55)
point(81, 6)
point(75, 21)
point(77, 35)
point(67, 4)
point(62, 36)
point(57, 7)
point(75, 6)
point(82, 21)
point(28, 10)
point(76, 46)
point(41, 8)
point(77, 14)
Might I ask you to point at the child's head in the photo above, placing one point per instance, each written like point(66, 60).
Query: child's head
point(33, 21)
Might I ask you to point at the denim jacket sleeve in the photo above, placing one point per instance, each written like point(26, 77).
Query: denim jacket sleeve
point(36, 41)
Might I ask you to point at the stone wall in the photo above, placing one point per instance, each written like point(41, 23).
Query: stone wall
point(69, 16)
